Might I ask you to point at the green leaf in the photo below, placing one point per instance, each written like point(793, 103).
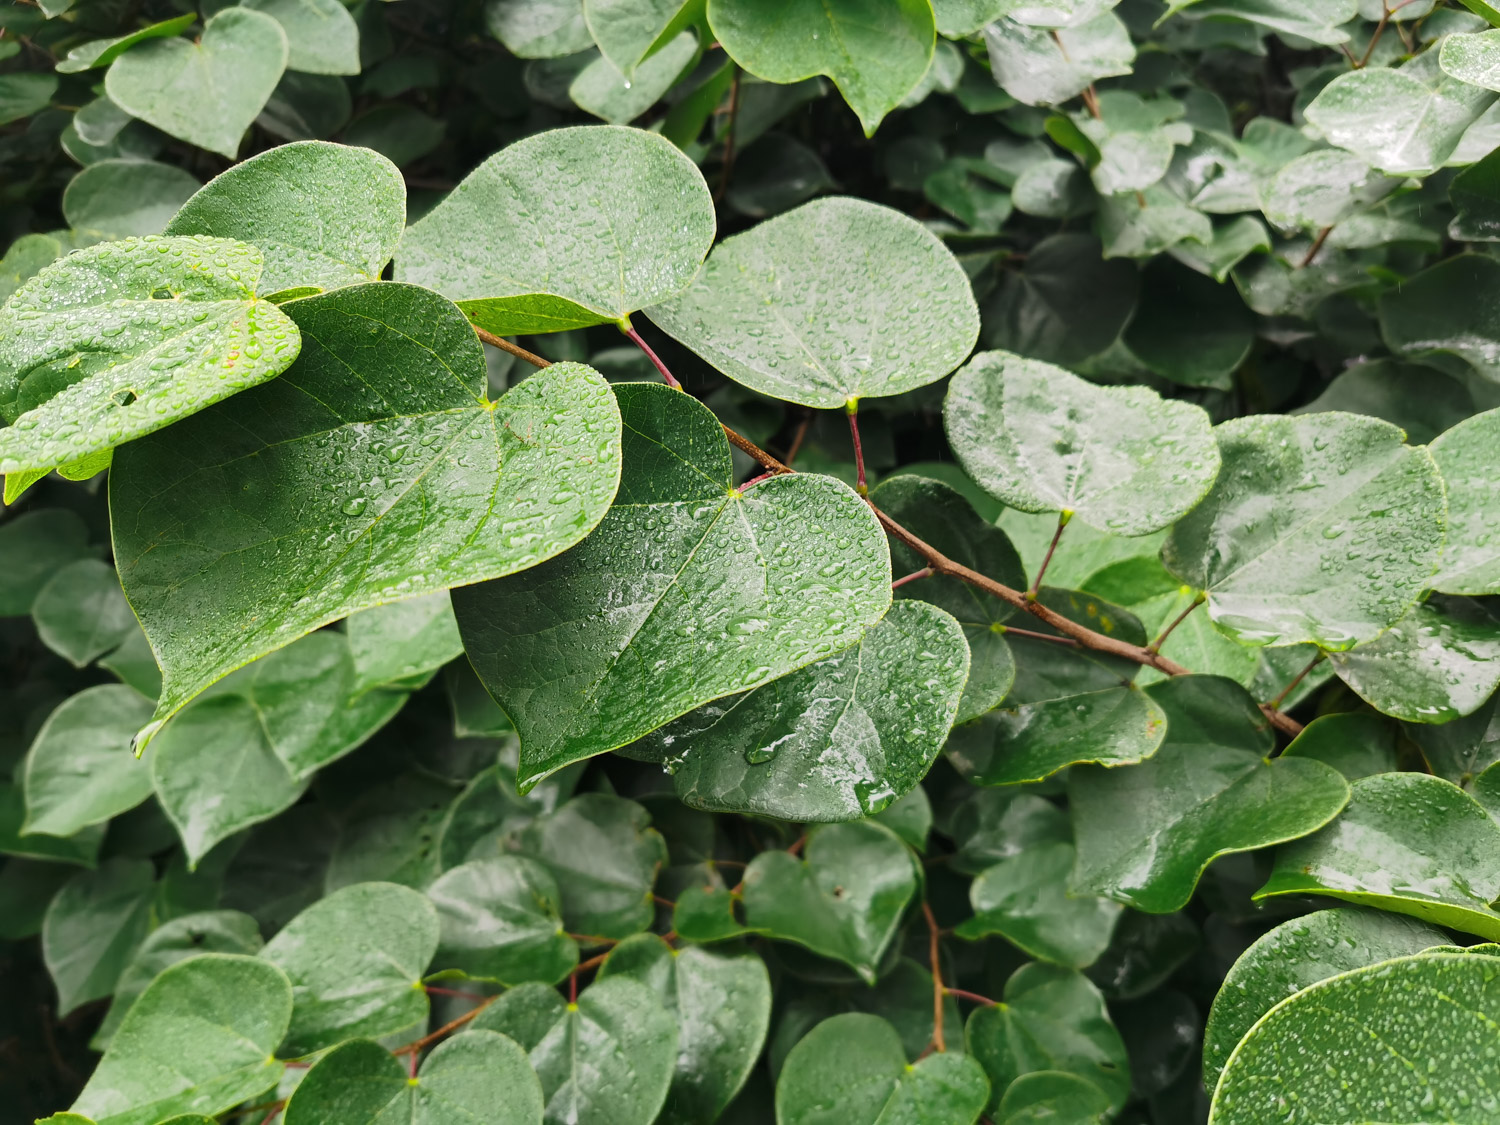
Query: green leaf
point(501, 920)
point(1293, 956)
point(1439, 662)
point(1049, 1095)
point(1474, 58)
point(1147, 223)
point(356, 959)
point(842, 900)
point(605, 92)
point(608, 1059)
point(1044, 440)
point(628, 31)
point(1318, 20)
point(385, 410)
point(81, 848)
point(1189, 328)
point(767, 581)
point(25, 258)
point(1356, 743)
point(722, 1002)
point(1445, 310)
point(179, 332)
point(1409, 843)
point(403, 641)
point(391, 833)
point(1146, 833)
point(321, 35)
point(1475, 195)
point(1232, 242)
point(706, 914)
point(476, 1076)
point(1039, 66)
point(207, 92)
point(323, 214)
point(93, 928)
point(1471, 555)
point(1418, 399)
point(102, 52)
point(81, 614)
point(24, 93)
point(837, 740)
point(875, 52)
point(989, 826)
point(1051, 1019)
point(1088, 550)
point(1396, 1007)
point(1321, 528)
point(851, 1069)
point(199, 1040)
point(539, 29)
point(124, 198)
point(1462, 749)
point(520, 255)
point(836, 301)
point(79, 770)
point(605, 858)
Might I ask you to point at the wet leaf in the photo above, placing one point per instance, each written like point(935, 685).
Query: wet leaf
point(1039, 66)
point(1356, 743)
point(403, 642)
point(1445, 310)
point(501, 920)
point(628, 31)
point(1047, 1095)
point(1471, 555)
point(94, 926)
point(126, 198)
point(79, 770)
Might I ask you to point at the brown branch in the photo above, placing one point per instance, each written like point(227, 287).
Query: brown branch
point(933, 952)
point(734, 113)
point(451, 1026)
point(514, 349)
point(1155, 646)
point(1316, 246)
point(964, 994)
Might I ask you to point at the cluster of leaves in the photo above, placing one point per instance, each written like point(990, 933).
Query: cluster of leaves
point(1085, 713)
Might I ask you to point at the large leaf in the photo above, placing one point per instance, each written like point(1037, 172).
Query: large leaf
point(837, 740)
point(1146, 833)
point(1043, 440)
point(206, 92)
point(1322, 527)
point(199, 1040)
point(93, 927)
point(119, 340)
point(1438, 1008)
point(565, 229)
point(79, 770)
point(836, 301)
point(356, 960)
point(1447, 309)
point(875, 51)
point(422, 484)
point(1297, 954)
point(851, 1070)
point(1409, 843)
point(323, 215)
point(1471, 555)
point(586, 653)
point(501, 920)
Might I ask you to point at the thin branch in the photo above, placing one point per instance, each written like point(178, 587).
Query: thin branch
point(1199, 599)
point(745, 445)
point(1276, 703)
point(1062, 521)
point(1034, 635)
point(1317, 245)
point(933, 952)
point(925, 572)
point(964, 994)
point(451, 1026)
point(655, 359)
point(799, 437)
point(514, 349)
point(852, 409)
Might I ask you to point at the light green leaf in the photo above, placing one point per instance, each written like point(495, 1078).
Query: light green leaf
point(539, 29)
point(323, 215)
point(501, 920)
point(519, 254)
point(837, 740)
point(1052, 1095)
point(1318, 20)
point(81, 847)
point(1232, 243)
point(321, 35)
point(81, 614)
point(356, 959)
point(606, 93)
point(1471, 555)
point(875, 51)
point(1297, 954)
point(179, 332)
point(851, 1069)
point(124, 198)
point(1320, 189)
point(1038, 66)
point(1146, 833)
point(199, 1039)
point(403, 641)
point(23, 93)
point(476, 1076)
point(1189, 328)
point(1436, 1007)
point(1044, 440)
point(722, 1002)
point(208, 92)
point(1322, 528)
point(1408, 843)
point(102, 52)
point(93, 928)
point(628, 31)
point(606, 1060)
point(765, 582)
point(1421, 400)
point(842, 900)
point(491, 487)
point(79, 770)
point(1474, 58)
point(836, 301)
point(1446, 310)
point(1356, 743)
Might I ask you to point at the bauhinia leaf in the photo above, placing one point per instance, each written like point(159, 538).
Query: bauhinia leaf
point(501, 920)
point(80, 770)
point(1471, 555)
point(1435, 313)
point(93, 927)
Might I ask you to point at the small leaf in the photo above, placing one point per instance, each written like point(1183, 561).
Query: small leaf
point(868, 301)
point(81, 614)
point(860, 1058)
point(1471, 556)
point(355, 960)
point(606, 93)
point(1356, 743)
point(628, 31)
point(1038, 66)
point(1044, 440)
point(93, 928)
point(706, 914)
point(199, 1040)
point(539, 29)
point(102, 52)
point(125, 198)
point(79, 770)
point(634, 224)
point(1446, 310)
point(501, 920)
point(321, 35)
point(323, 215)
point(403, 641)
point(1048, 1095)
point(1408, 843)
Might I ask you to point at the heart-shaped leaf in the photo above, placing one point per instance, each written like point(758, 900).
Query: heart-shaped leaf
point(585, 653)
point(102, 52)
point(82, 614)
point(1043, 440)
point(476, 1076)
point(606, 93)
point(206, 93)
point(119, 340)
point(606, 1060)
point(1356, 743)
point(93, 927)
point(860, 1057)
point(842, 900)
point(521, 252)
point(322, 214)
point(1146, 833)
point(627, 31)
point(125, 198)
point(1471, 555)
point(1051, 1095)
point(837, 740)
point(1409, 843)
point(79, 770)
point(1297, 954)
point(874, 52)
point(1322, 527)
point(387, 411)
point(502, 920)
point(1040, 66)
point(321, 35)
point(356, 959)
point(836, 301)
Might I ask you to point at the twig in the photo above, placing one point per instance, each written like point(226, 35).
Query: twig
point(925, 572)
point(852, 409)
point(1199, 599)
point(799, 437)
point(734, 113)
point(452, 1025)
point(1062, 521)
point(635, 338)
point(1276, 703)
point(964, 994)
point(934, 952)
point(1035, 636)
point(514, 349)
point(1317, 245)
